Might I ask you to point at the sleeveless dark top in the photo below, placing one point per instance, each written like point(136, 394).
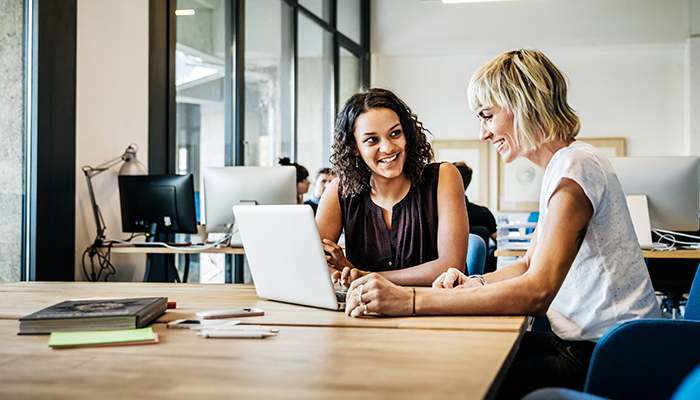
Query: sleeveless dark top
point(371, 246)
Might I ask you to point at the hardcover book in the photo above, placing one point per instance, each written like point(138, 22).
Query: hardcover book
point(94, 315)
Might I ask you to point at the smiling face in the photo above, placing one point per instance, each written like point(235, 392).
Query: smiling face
point(381, 142)
point(497, 126)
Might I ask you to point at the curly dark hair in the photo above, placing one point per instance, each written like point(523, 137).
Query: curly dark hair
point(354, 175)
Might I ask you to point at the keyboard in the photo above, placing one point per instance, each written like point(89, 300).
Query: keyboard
point(341, 296)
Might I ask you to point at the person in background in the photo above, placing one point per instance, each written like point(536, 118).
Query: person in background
point(302, 178)
point(403, 216)
point(481, 221)
point(584, 268)
point(323, 178)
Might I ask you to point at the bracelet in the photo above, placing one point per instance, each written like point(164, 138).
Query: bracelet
point(479, 278)
point(414, 301)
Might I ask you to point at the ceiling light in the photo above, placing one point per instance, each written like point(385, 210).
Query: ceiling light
point(180, 13)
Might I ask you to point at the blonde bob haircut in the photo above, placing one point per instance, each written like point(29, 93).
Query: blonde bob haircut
point(526, 83)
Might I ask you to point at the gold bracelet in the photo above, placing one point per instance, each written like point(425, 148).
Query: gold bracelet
point(414, 301)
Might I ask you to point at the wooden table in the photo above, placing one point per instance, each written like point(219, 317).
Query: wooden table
point(681, 253)
point(20, 299)
point(317, 354)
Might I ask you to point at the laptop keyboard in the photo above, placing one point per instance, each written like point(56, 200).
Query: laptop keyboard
point(341, 296)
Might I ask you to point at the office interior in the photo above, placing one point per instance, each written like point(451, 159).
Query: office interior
point(633, 66)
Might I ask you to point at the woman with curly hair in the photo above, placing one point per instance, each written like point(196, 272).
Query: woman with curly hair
point(403, 216)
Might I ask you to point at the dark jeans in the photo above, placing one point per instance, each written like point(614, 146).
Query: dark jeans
point(545, 360)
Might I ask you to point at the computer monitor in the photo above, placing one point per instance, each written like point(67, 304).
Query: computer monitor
point(671, 186)
point(157, 204)
point(225, 187)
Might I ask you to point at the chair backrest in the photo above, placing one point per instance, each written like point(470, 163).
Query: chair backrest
point(690, 388)
point(476, 255)
point(692, 308)
point(643, 359)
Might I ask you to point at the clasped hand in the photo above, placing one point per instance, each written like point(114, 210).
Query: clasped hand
point(454, 279)
point(374, 294)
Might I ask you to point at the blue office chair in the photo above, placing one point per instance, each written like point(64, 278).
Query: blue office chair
point(688, 390)
point(692, 307)
point(476, 255)
point(640, 359)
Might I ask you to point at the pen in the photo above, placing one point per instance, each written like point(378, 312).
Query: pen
point(236, 328)
point(247, 334)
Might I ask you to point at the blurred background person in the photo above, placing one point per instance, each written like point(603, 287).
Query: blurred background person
point(481, 220)
point(323, 178)
point(302, 178)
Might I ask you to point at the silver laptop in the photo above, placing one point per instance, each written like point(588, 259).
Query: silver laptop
point(286, 256)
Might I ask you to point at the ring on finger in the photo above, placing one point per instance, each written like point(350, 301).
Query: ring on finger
point(366, 308)
point(358, 291)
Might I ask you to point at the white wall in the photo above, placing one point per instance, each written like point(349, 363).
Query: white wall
point(626, 60)
point(112, 112)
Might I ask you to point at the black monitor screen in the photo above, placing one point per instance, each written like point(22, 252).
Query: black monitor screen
point(157, 204)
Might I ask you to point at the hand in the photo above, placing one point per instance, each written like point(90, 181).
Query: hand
point(374, 294)
point(340, 268)
point(451, 279)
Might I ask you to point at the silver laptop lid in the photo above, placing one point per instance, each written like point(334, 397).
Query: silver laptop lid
point(285, 254)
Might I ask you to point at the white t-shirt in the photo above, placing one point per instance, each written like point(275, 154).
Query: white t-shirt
point(608, 282)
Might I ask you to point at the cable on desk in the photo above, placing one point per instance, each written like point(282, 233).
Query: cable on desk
point(671, 237)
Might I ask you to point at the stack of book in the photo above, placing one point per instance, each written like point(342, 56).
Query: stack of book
point(94, 315)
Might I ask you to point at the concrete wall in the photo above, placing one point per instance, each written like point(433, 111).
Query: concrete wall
point(112, 112)
point(629, 63)
point(11, 137)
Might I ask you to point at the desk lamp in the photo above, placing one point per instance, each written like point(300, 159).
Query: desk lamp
point(131, 166)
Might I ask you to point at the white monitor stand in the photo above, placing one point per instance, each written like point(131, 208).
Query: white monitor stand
point(639, 210)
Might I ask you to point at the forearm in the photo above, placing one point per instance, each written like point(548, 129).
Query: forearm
point(513, 270)
point(423, 274)
point(524, 297)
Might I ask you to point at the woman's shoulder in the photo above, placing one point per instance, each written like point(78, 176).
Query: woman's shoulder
point(579, 155)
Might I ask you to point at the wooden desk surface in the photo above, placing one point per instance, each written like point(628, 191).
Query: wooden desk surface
point(681, 253)
point(324, 355)
point(24, 298)
point(298, 363)
point(132, 249)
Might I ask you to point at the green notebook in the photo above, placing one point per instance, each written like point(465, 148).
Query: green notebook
point(59, 339)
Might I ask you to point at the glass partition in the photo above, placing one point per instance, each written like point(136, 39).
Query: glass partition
point(269, 94)
point(200, 109)
point(350, 79)
point(315, 112)
point(349, 19)
point(320, 8)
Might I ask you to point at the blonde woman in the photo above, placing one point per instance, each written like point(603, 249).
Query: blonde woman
point(584, 267)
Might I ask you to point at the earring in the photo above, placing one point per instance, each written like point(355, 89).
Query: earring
point(357, 162)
